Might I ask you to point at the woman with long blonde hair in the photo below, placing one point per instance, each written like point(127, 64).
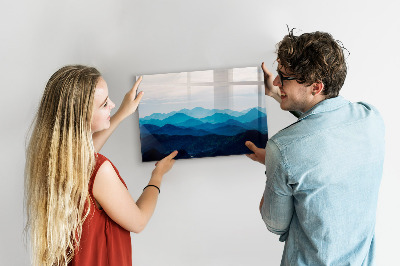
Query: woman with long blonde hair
point(79, 211)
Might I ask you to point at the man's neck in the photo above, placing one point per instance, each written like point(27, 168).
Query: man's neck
point(316, 100)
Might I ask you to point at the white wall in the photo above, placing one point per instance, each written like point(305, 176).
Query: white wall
point(208, 208)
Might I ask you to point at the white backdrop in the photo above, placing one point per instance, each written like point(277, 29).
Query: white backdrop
point(208, 208)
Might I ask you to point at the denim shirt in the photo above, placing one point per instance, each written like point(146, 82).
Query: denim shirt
point(323, 176)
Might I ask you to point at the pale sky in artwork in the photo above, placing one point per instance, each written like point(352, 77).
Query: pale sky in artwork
point(164, 93)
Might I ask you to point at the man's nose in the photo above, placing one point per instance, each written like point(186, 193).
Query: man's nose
point(277, 81)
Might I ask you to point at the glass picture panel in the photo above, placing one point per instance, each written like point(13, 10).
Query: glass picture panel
point(202, 113)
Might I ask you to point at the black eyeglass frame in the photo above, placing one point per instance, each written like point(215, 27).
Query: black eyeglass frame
point(282, 78)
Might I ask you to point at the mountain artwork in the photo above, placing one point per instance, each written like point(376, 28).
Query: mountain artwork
point(202, 113)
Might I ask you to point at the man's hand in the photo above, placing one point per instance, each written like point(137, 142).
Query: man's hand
point(258, 155)
point(270, 89)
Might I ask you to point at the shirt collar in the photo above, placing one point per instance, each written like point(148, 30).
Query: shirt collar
point(325, 106)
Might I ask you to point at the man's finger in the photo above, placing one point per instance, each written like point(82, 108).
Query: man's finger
point(251, 146)
point(251, 156)
point(265, 69)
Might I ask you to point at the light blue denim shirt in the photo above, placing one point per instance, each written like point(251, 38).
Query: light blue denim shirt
point(323, 176)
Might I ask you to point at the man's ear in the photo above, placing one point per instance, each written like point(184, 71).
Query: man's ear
point(317, 88)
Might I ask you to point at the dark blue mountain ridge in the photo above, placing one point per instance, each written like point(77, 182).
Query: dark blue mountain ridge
point(228, 128)
point(256, 124)
point(210, 126)
point(172, 130)
point(231, 126)
point(155, 147)
point(149, 127)
point(204, 126)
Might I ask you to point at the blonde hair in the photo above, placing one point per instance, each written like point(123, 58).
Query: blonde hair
point(59, 162)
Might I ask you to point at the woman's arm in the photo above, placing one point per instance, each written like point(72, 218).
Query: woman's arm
point(116, 201)
point(128, 107)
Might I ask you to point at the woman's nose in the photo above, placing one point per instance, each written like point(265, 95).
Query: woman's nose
point(112, 105)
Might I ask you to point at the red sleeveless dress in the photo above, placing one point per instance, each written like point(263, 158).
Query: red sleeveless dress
point(103, 241)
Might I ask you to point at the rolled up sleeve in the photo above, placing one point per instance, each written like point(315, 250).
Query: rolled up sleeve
point(277, 208)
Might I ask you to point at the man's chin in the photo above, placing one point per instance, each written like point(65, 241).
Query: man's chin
point(285, 108)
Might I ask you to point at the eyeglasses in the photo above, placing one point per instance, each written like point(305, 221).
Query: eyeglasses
point(282, 78)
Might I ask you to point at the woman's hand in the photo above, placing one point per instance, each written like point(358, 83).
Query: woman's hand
point(270, 89)
point(163, 166)
point(131, 101)
point(128, 107)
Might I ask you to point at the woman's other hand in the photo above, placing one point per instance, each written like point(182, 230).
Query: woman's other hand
point(131, 100)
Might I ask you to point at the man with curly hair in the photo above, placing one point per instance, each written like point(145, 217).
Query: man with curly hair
point(323, 171)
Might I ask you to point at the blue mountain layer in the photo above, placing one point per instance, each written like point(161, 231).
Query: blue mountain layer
point(190, 123)
point(261, 109)
point(200, 132)
point(179, 131)
point(199, 112)
point(256, 124)
point(250, 115)
point(221, 118)
point(147, 129)
point(174, 119)
point(218, 123)
point(217, 118)
point(228, 128)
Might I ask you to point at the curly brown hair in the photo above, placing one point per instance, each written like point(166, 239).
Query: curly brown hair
point(314, 57)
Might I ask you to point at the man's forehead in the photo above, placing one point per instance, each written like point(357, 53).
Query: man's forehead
point(282, 69)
